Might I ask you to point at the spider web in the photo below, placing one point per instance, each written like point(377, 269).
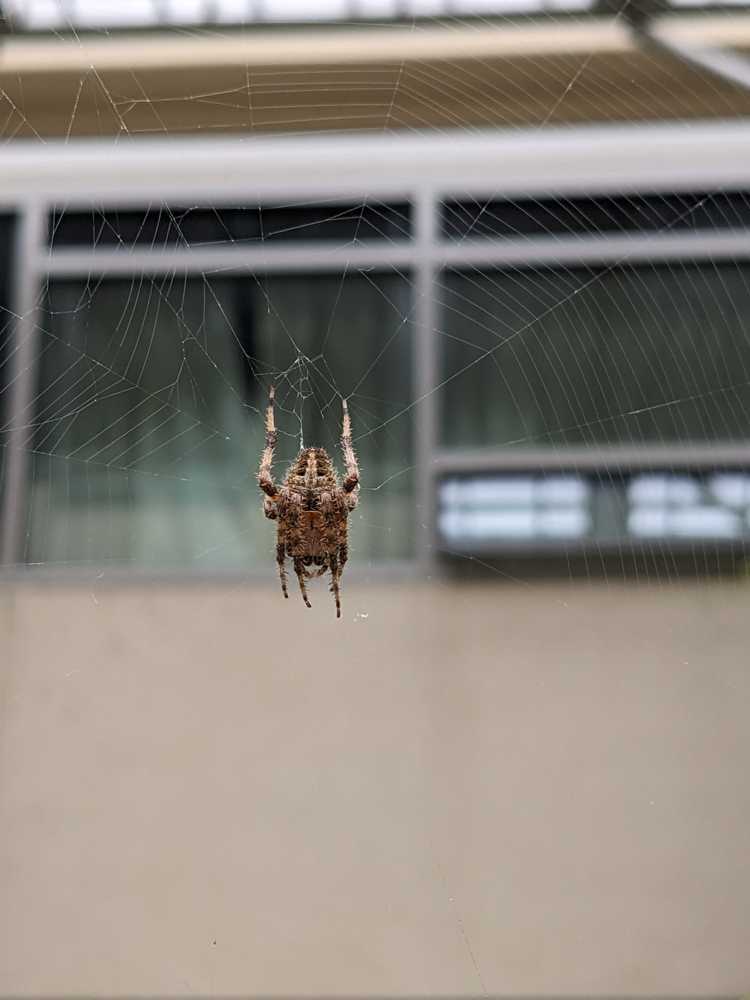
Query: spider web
point(141, 434)
point(144, 428)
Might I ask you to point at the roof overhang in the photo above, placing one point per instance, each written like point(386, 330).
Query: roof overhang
point(525, 72)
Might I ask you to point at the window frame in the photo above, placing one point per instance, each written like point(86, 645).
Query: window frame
point(423, 170)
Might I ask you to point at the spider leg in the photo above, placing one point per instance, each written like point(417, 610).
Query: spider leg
point(351, 483)
point(282, 568)
point(270, 509)
point(343, 556)
point(265, 479)
point(299, 569)
point(335, 576)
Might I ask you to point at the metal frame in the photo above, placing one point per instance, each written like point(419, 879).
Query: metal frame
point(28, 236)
point(720, 62)
point(256, 14)
point(423, 169)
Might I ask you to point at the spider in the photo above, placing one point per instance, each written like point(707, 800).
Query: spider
point(311, 508)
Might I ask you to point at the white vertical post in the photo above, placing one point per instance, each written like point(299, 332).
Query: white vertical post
point(26, 291)
point(426, 372)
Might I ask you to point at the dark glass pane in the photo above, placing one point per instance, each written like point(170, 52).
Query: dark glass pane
point(509, 218)
point(596, 355)
point(149, 414)
point(171, 226)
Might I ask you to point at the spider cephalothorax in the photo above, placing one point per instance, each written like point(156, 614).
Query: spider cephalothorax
point(311, 508)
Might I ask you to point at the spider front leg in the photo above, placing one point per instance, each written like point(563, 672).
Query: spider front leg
point(270, 509)
point(265, 480)
point(351, 482)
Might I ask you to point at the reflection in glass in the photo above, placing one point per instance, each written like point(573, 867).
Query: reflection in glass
point(576, 356)
point(148, 418)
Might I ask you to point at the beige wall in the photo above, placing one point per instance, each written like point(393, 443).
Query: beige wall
point(475, 787)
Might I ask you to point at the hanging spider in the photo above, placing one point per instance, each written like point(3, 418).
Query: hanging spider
point(311, 508)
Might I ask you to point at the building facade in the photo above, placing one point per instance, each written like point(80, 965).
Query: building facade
point(520, 247)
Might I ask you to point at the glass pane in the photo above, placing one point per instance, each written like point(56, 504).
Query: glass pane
point(532, 511)
point(596, 355)
point(149, 414)
point(637, 213)
point(174, 226)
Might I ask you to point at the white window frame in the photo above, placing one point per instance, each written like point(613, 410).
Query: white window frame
point(423, 169)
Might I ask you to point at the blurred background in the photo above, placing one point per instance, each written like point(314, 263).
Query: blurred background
point(515, 235)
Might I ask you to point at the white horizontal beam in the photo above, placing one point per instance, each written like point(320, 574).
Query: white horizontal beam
point(241, 169)
point(596, 458)
point(532, 252)
point(602, 249)
point(344, 46)
point(224, 260)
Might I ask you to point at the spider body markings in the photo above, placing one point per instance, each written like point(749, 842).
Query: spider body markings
point(311, 508)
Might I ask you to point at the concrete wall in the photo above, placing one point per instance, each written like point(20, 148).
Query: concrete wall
point(474, 788)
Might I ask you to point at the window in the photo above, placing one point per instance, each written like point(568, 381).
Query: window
point(533, 510)
point(596, 355)
point(586, 216)
point(149, 412)
point(362, 222)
